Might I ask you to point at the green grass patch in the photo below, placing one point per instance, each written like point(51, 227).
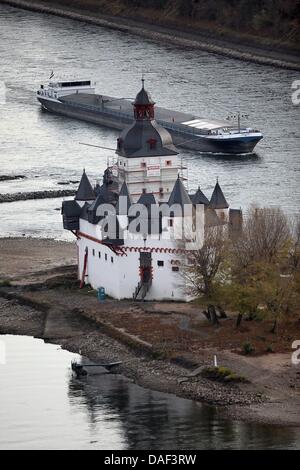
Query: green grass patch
point(222, 374)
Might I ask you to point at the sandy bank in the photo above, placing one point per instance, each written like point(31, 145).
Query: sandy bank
point(238, 49)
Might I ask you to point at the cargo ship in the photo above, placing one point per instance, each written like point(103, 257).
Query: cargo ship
point(79, 100)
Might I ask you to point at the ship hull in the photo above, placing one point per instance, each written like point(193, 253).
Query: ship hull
point(180, 138)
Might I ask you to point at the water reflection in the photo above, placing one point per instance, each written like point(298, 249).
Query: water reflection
point(153, 420)
point(44, 407)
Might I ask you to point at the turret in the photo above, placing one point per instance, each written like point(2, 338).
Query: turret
point(219, 204)
point(148, 159)
point(85, 191)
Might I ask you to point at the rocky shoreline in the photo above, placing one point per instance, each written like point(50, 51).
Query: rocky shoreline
point(167, 35)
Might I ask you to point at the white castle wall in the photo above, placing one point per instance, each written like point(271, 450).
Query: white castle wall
point(120, 277)
point(154, 175)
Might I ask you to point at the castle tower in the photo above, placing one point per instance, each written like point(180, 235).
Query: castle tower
point(219, 204)
point(148, 160)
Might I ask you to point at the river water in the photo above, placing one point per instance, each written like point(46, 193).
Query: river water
point(42, 406)
point(45, 148)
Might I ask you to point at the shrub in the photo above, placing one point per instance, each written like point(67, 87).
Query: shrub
point(5, 283)
point(248, 348)
point(222, 374)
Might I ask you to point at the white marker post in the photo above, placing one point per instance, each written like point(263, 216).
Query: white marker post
point(215, 361)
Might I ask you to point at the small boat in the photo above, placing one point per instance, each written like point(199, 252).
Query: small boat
point(80, 369)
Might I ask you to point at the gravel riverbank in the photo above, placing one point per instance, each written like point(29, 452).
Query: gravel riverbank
point(238, 49)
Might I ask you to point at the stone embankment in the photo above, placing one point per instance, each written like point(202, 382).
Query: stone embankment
point(11, 177)
point(13, 197)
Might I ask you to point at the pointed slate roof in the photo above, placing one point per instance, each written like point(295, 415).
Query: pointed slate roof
point(124, 192)
point(147, 199)
point(200, 198)
point(145, 137)
point(218, 200)
point(179, 194)
point(85, 191)
point(143, 97)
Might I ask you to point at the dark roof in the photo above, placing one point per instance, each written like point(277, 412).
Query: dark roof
point(179, 194)
point(143, 97)
point(135, 140)
point(147, 199)
point(124, 192)
point(84, 211)
point(218, 200)
point(71, 208)
point(109, 196)
point(85, 191)
point(199, 198)
point(92, 209)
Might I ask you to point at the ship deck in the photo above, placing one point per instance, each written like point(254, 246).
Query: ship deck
point(110, 104)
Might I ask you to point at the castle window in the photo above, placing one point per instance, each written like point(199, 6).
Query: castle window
point(144, 190)
point(99, 254)
point(119, 143)
point(152, 143)
point(169, 162)
point(171, 223)
point(105, 257)
point(111, 259)
point(143, 165)
point(175, 269)
point(93, 252)
point(160, 263)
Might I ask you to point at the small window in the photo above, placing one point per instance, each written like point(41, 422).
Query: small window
point(160, 263)
point(175, 268)
point(111, 259)
point(171, 222)
point(93, 252)
point(169, 162)
point(143, 165)
point(99, 254)
point(144, 190)
point(105, 257)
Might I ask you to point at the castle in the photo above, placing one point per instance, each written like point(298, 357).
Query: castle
point(133, 230)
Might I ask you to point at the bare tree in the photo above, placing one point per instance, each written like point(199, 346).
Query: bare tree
point(265, 235)
point(294, 253)
point(201, 266)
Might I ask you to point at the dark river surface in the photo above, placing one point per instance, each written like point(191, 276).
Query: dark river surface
point(43, 406)
point(46, 147)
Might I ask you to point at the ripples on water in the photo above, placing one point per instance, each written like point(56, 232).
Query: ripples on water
point(46, 147)
point(44, 406)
